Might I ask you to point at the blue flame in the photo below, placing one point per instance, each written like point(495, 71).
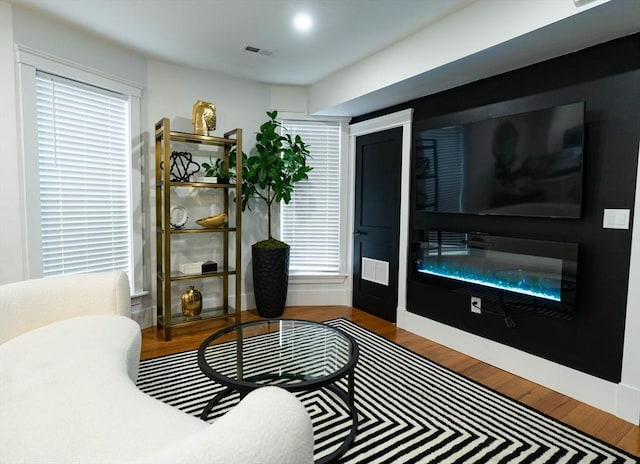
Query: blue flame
point(540, 286)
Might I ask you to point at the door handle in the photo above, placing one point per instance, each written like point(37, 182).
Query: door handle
point(358, 233)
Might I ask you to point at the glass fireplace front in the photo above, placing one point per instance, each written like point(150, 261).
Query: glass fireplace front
point(538, 272)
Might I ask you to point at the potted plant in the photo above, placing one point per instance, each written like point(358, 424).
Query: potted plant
point(217, 169)
point(269, 175)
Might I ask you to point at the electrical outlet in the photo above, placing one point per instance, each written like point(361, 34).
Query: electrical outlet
point(476, 305)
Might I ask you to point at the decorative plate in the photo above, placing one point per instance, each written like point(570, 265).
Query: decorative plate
point(178, 217)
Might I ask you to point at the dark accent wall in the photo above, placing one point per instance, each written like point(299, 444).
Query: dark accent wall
point(607, 78)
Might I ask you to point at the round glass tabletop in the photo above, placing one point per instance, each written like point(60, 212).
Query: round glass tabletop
point(292, 354)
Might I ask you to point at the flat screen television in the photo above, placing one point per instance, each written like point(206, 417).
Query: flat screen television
point(523, 164)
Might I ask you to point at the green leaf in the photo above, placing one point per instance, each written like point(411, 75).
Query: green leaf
point(271, 170)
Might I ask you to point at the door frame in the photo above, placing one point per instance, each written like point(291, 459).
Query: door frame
point(402, 119)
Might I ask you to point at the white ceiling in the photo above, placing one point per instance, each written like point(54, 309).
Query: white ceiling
point(212, 34)
point(347, 35)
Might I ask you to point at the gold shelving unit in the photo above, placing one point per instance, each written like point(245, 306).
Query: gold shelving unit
point(167, 316)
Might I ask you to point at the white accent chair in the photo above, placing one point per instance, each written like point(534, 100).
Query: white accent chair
point(69, 355)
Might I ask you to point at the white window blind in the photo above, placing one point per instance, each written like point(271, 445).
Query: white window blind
point(310, 223)
point(84, 171)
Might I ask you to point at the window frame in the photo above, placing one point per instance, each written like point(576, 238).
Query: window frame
point(341, 275)
point(29, 62)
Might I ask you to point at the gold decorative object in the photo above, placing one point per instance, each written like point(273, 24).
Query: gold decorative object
point(203, 117)
point(216, 220)
point(191, 302)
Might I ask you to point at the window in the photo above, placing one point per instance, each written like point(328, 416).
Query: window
point(310, 223)
point(81, 134)
point(84, 168)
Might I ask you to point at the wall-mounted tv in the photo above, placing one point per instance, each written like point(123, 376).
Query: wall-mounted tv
point(523, 164)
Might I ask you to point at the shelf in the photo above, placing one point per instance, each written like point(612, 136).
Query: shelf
point(202, 139)
point(230, 146)
point(195, 138)
point(202, 230)
point(206, 314)
point(177, 276)
point(196, 184)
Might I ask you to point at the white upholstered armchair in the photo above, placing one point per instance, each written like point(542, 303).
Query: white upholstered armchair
point(69, 355)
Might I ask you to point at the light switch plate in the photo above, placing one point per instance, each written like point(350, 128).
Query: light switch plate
point(616, 219)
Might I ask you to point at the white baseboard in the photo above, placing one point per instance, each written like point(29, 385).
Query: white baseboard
point(628, 404)
point(618, 399)
point(329, 297)
point(325, 297)
point(304, 298)
point(147, 318)
point(144, 317)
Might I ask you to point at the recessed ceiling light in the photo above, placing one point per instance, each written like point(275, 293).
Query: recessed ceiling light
point(302, 22)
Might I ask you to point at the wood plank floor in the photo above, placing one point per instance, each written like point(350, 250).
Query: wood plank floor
point(583, 417)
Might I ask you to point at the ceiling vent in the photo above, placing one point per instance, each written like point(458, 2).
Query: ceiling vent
point(259, 51)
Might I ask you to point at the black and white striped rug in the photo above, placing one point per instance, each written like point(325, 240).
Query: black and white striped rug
point(411, 410)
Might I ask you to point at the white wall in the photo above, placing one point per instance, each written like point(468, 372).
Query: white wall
point(12, 261)
point(628, 395)
point(61, 40)
point(172, 91)
point(169, 91)
point(486, 38)
point(34, 31)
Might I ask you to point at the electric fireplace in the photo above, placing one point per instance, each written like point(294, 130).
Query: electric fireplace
point(514, 272)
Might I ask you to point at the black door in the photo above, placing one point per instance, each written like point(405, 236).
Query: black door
point(377, 223)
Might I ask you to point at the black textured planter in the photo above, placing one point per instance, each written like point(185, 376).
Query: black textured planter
point(270, 279)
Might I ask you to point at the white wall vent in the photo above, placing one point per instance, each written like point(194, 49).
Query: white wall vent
point(375, 270)
point(259, 51)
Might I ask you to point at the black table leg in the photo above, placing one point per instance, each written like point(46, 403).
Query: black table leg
point(211, 404)
point(349, 400)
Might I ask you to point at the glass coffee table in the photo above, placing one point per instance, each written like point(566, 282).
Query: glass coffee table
point(292, 354)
